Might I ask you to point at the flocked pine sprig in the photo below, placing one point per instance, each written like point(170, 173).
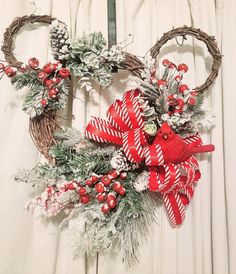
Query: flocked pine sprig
point(90, 57)
point(125, 227)
point(60, 40)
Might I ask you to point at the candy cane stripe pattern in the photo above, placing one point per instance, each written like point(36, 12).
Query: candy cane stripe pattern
point(174, 207)
point(125, 128)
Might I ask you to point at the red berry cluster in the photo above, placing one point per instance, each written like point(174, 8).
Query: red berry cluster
point(106, 189)
point(184, 97)
point(51, 75)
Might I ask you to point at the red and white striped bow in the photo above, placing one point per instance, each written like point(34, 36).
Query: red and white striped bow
point(125, 127)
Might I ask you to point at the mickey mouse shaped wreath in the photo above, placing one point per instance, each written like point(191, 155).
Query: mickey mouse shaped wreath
point(150, 138)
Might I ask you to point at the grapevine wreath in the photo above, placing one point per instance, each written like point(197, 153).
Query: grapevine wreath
point(140, 156)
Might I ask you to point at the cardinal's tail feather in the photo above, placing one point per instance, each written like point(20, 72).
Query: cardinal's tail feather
point(204, 148)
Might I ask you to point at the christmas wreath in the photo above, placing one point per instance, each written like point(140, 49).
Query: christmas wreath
point(125, 166)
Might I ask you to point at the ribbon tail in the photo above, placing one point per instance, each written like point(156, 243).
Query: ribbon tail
point(174, 207)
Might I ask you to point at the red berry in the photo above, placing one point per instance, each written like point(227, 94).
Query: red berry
point(183, 88)
point(99, 187)
point(182, 67)
point(53, 93)
point(121, 191)
point(89, 182)
point(178, 78)
point(43, 102)
point(165, 62)
point(172, 66)
point(56, 80)
point(64, 72)
point(101, 197)
point(48, 68)
point(10, 71)
point(2, 67)
point(94, 178)
point(111, 197)
point(123, 175)
point(105, 208)
point(70, 186)
point(106, 180)
point(42, 75)
point(161, 83)
point(116, 186)
point(192, 101)
point(112, 203)
point(48, 83)
point(114, 174)
point(33, 62)
point(180, 102)
point(85, 199)
point(82, 191)
point(194, 93)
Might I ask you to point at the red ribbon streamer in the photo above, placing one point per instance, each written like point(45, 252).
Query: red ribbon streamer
point(125, 127)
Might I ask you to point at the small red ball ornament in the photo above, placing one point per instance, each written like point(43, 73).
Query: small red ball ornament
point(178, 78)
point(48, 83)
point(111, 197)
point(116, 186)
point(112, 203)
point(106, 180)
point(10, 71)
point(53, 93)
point(43, 102)
point(105, 208)
point(100, 187)
point(101, 197)
point(114, 174)
point(70, 186)
point(89, 182)
point(94, 178)
point(33, 62)
point(85, 199)
point(165, 62)
point(194, 93)
point(172, 66)
point(123, 175)
point(56, 80)
point(182, 68)
point(183, 88)
point(48, 68)
point(64, 72)
point(192, 101)
point(121, 191)
point(161, 83)
point(82, 191)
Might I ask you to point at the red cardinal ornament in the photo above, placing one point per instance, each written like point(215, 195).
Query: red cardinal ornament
point(174, 149)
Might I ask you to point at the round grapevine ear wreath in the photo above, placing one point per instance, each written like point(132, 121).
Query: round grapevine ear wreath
point(209, 41)
point(42, 127)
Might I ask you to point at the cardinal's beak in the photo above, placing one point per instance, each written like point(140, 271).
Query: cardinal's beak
point(165, 137)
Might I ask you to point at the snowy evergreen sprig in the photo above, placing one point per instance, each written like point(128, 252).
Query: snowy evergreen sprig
point(90, 57)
